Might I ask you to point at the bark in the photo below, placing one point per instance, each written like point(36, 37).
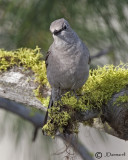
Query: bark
point(18, 85)
point(116, 115)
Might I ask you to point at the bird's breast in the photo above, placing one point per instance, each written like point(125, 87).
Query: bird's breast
point(67, 70)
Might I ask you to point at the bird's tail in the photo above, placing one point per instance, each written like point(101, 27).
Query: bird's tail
point(49, 106)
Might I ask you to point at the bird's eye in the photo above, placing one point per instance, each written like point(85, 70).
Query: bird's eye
point(64, 27)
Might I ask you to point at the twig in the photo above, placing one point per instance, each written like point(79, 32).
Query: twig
point(78, 147)
point(102, 52)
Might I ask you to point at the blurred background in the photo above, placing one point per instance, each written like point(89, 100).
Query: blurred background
point(101, 24)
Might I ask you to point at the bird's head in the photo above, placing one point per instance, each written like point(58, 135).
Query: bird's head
point(60, 28)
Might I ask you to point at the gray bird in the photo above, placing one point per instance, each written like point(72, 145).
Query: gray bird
point(67, 61)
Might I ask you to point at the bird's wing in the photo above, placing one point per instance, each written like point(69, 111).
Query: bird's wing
point(46, 58)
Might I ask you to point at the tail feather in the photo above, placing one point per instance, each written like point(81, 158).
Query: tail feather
point(49, 106)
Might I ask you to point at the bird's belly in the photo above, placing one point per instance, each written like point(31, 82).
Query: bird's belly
point(67, 77)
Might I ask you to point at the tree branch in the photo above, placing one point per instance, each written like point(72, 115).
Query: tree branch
point(14, 85)
point(115, 113)
point(17, 84)
point(102, 52)
point(22, 111)
point(37, 120)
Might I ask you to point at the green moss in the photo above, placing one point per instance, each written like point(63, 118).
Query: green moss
point(75, 101)
point(103, 83)
point(121, 99)
point(61, 119)
point(39, 95)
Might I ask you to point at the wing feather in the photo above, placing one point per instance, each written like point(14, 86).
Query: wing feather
point(46, 58)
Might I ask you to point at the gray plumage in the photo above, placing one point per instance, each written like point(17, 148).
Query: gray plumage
point(67, 60)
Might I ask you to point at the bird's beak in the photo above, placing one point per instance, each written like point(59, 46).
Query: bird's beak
point(56, 32)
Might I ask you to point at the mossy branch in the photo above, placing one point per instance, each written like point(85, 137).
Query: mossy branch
point(37, 120)
point(23, 79)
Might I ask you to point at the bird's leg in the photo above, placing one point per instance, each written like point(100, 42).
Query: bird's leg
point(57, 98)
point(74, 93)
point(60, 94)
